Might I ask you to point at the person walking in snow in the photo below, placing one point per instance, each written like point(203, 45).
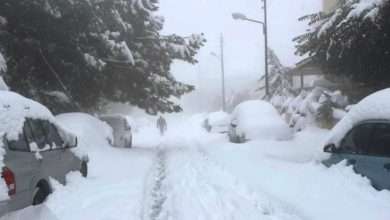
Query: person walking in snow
point(162, 125)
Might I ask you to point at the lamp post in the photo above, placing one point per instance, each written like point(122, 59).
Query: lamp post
point(221, 59)
point(240, 16)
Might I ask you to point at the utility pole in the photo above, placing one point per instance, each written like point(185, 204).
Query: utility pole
point(266, 76)
point(223, 76)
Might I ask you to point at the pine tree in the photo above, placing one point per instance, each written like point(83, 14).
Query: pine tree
point(73, 55)
point(352, 41)
point(279, 84)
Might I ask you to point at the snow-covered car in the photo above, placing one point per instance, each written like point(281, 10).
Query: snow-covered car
point(362, 139)
point(217, 122)
point(257, 119)
point(87, 128)
point(121, 127)
point(35, 148)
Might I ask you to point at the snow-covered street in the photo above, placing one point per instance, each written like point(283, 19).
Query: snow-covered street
point(192, 174)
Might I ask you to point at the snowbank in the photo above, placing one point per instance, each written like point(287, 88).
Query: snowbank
point(259, 119)
point(286, 171)
point(85, 126)
point(375, 106)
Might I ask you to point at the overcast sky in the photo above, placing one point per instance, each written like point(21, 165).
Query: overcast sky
point(244, 41)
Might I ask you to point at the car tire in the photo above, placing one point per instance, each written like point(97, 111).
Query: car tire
point(84, 169)
point(128, 144)
point(40, 196)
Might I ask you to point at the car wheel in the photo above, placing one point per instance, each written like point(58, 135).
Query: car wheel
point(39, 196)
point(84, 169)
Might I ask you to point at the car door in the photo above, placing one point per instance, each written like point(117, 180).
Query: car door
point(49, 159)
point(22, 162)
point(354, 148)
point(377, 163)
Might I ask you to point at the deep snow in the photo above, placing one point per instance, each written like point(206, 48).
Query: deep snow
point(192, 174)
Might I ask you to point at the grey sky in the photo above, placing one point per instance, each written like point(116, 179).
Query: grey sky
point(244, 42)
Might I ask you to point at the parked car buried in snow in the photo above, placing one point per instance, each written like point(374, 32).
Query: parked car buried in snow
point(35, 148)
point(257, 119)
point(89, 129)
point(121, 129)
point(217, 122)
point(362, 139)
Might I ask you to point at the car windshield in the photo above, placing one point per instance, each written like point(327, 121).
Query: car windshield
point(195, 109)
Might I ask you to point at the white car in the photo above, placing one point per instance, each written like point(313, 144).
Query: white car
point(88, 128)
point(257, 119)
point(217, 122)
point(121, 129)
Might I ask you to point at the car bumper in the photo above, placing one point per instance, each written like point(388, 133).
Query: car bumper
point(4, 207)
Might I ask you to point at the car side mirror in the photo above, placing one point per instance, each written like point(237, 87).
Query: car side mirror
point(74, 144)
point(330, 148)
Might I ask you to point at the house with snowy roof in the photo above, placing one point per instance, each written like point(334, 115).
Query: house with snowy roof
point(330, 5)
point(307, 73)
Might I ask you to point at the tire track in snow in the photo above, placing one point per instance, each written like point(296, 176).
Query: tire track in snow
point(186, 183)
point(274, 204)
point(197, 188)
point(157, 194)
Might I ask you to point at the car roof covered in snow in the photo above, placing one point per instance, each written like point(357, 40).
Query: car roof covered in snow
point(374, 107)
point(218, 118)
point(14, 108)
point(256, 118)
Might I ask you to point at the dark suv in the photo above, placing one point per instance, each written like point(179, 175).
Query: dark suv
point(367, 147)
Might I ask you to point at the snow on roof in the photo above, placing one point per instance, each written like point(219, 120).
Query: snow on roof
point(374, 106)
point(218, 118)
point(258, 118)
point(321, 82)
point(14, 108)
point(87, 127)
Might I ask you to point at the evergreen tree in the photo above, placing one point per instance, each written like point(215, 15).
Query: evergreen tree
point(352, 41)
point(73, 55)
point(279, 84)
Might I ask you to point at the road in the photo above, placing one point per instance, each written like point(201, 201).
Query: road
point(188, 184)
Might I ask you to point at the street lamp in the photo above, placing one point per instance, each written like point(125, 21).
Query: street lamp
point(240, 16)
point(223, 75)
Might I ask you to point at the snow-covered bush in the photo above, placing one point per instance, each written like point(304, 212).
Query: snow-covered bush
point(319, 107)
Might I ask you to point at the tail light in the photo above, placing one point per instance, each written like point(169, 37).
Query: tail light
point(9, 178)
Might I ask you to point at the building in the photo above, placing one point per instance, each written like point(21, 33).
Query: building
point(330, 5)
point(304, 74)
point(307, 71)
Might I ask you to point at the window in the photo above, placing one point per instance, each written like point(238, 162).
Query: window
point(357, 140)
point(126, 124)
point(21, 144)
point(380, 144)
point(52, 134)
point(38, 133)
